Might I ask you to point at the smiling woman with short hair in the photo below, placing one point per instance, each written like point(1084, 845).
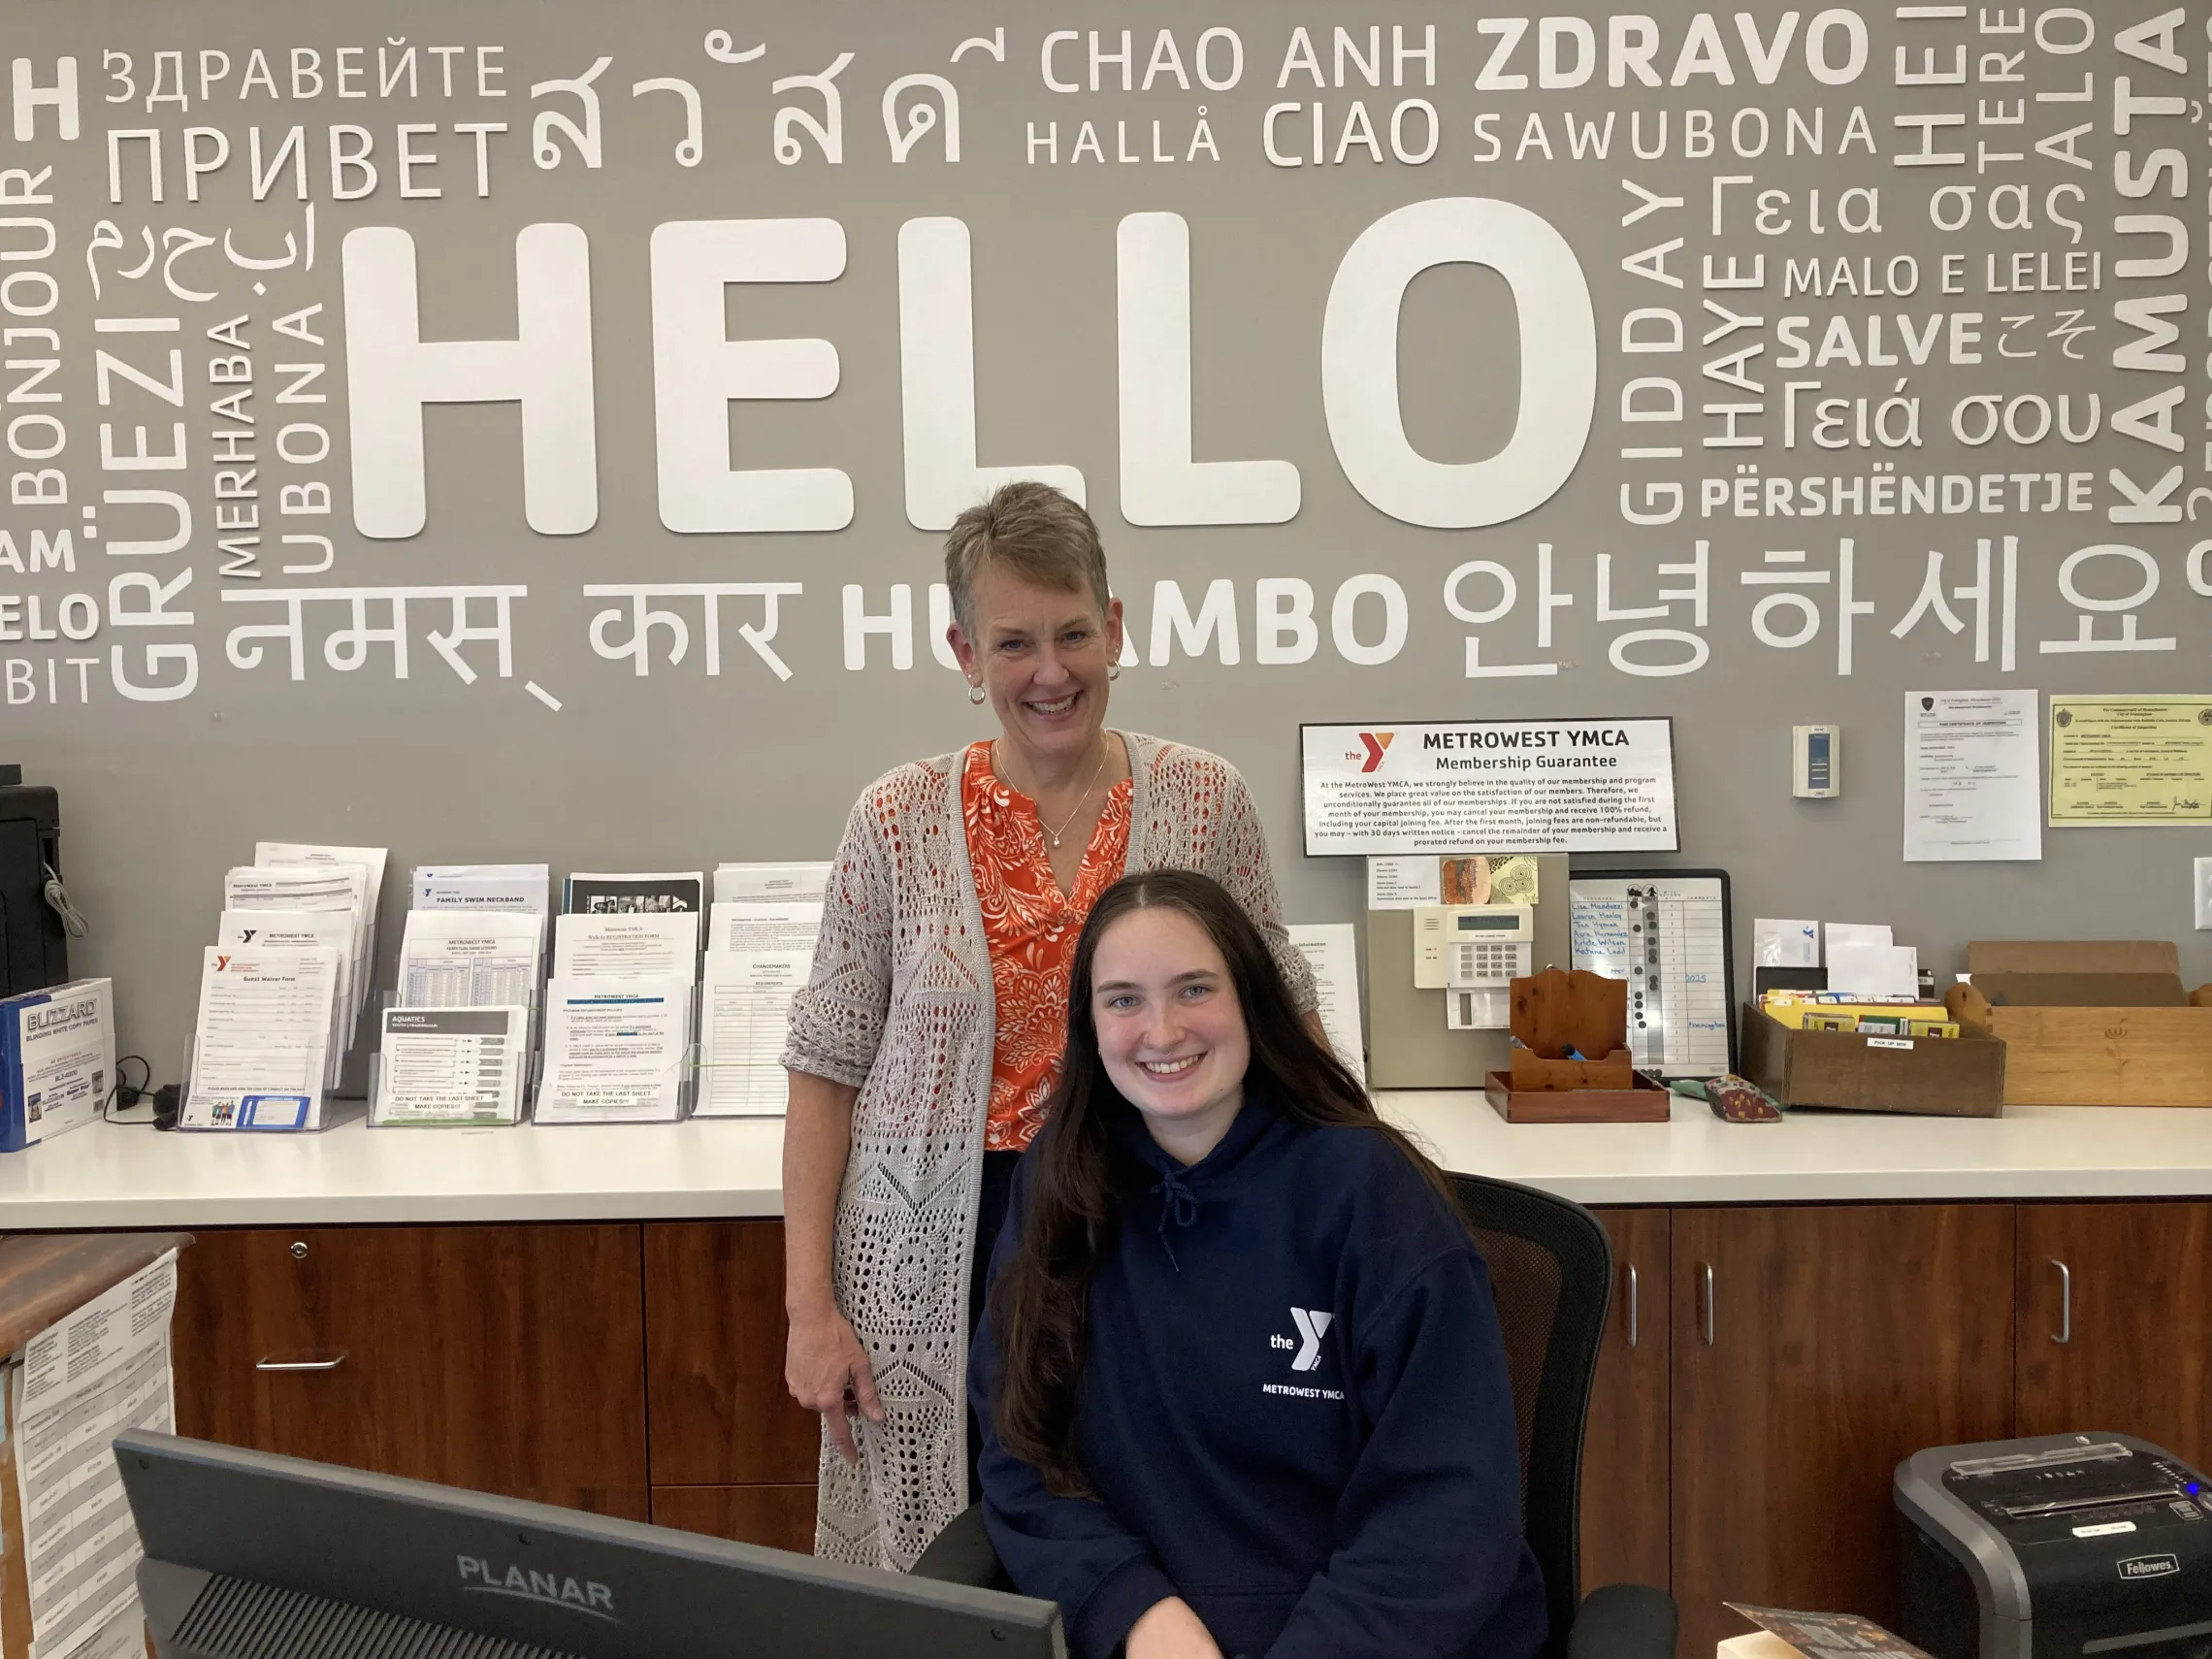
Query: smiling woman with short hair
point(1243, 1379)
point(925, 1047)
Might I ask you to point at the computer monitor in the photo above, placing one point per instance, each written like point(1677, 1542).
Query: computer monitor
point(255, 1556)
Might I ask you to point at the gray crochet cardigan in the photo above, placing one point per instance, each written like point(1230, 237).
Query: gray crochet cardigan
point(900, 1006)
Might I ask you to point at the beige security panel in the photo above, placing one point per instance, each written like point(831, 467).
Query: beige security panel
point(1409, 1039)
point(1458, 946)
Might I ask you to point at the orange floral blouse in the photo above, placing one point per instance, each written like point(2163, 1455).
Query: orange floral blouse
point(1032, 928)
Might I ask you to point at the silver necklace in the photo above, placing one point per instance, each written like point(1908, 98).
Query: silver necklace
point(1054, 835)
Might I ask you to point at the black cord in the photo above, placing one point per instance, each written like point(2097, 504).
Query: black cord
point(127, 1095)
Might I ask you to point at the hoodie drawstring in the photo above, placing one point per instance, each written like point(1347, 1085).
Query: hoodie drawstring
point(1177, 1204)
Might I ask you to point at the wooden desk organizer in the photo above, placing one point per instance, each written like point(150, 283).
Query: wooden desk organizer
point(1557, 1016)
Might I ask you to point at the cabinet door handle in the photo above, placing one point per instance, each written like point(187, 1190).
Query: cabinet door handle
point(2065, 1332)
point(1705, 1288)
point(1632, 1310)
point(299, 1364)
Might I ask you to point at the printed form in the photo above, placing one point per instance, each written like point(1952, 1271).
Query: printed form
point(101, 1371)
point(614, 1050)
point(261, 1047)
point(758, 954)
point(632, 945)
point(451, 1066)
point(469, 958)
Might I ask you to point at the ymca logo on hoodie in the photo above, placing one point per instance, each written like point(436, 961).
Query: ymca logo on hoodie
point(1312, 1324)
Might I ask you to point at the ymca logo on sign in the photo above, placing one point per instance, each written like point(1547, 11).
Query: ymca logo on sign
point(1312, 1324)
point(1370, 753)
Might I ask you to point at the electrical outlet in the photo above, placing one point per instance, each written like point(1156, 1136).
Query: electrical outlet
point(2204, 892)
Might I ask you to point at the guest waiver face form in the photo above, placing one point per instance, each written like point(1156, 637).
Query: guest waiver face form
point(262, 1042)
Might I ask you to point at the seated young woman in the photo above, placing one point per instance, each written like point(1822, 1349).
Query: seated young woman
point(1241, 1379)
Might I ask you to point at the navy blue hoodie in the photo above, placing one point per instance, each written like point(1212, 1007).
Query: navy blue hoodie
point(1294, 1411)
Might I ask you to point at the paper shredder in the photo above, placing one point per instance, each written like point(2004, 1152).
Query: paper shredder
point(2080, 1544)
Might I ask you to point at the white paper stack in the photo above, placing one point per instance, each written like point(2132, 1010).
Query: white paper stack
point(456, 1048)
point(451, 1066)
point(755, 883)
point(371, 862)
point(1864, 960)
point(470, 959)
point(83, 1381)
point(615, 1050)
point(633, 945)
point(758, 954)
point(261, 1045)
point(292, 930)
point(620, 1009)
point(483, 887)
point(309, 905)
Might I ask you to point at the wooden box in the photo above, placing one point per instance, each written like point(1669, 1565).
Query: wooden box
point(2090, 1023)
point(1948, 1077)
point(1644, 1102)
point(1571, 1061)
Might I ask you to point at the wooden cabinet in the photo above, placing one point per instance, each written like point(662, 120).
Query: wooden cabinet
point(732, 1453)
point(503, 1359)
point(1625, 1486)
point(781, 1517)
point(2116, 1321)
point(1813, 1348)
point(1764, 1369)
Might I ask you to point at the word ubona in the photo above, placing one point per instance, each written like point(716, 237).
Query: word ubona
point(1883, 494)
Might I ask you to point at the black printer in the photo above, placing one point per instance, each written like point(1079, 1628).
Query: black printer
point(2080, 1544)
point(34, 948)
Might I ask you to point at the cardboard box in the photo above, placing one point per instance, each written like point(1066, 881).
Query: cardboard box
point(2088, 1023)
point(1946, 1077)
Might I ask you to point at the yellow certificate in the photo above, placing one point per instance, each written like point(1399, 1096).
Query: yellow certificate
point(2131, 760)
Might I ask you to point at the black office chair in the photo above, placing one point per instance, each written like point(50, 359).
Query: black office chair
point(1551, 1276)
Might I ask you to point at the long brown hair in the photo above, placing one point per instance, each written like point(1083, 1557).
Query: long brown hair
point(1075, 1183)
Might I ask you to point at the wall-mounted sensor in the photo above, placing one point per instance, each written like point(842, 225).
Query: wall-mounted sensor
point(1816, 762)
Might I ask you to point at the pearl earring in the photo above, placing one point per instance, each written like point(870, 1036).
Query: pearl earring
point(976, 694)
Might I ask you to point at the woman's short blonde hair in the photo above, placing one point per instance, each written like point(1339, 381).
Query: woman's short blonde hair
point(1030, 530)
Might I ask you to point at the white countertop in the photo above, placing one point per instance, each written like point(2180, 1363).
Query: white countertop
point(128, 1175)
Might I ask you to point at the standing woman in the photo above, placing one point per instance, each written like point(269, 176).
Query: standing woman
point(925, 1047)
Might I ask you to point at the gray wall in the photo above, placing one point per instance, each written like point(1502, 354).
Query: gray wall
point(678, 769)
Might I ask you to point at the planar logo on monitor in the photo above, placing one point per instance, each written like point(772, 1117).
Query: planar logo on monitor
point(2149, 1567)
point(561, 1590)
